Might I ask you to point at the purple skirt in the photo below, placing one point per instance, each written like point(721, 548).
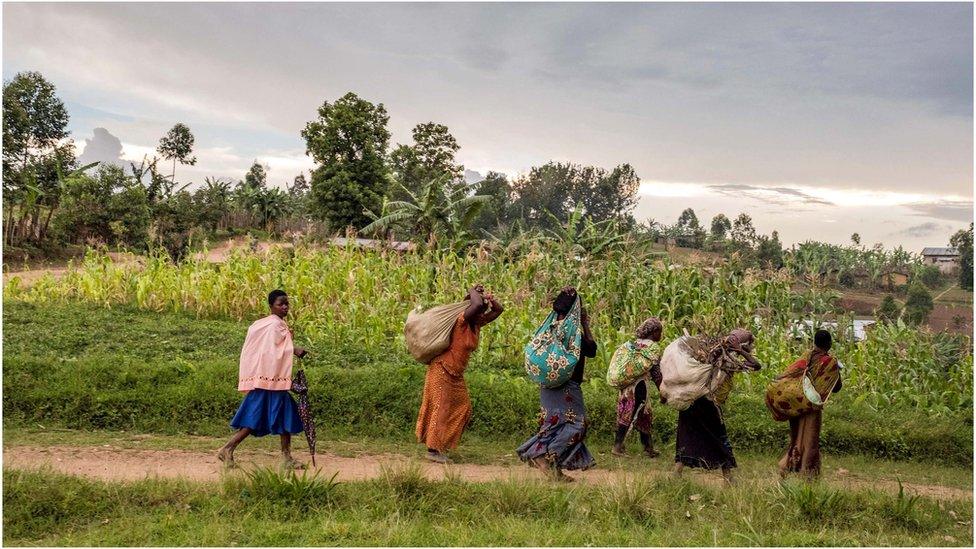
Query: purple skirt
point(562, 430)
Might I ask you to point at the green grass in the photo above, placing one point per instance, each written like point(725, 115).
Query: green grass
point(90, 368)
point(404, 508)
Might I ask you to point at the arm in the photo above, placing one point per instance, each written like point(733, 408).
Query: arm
point(840, 382)
point(477, 305)
point(495, 311)
point(588, 344)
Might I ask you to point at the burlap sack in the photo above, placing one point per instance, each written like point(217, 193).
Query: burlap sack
point(684, 379)
point(428, 333)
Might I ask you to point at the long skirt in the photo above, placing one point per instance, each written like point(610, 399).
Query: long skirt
point(629, 401)
point(803, 453)
point(562, 430)
point(445, 409)
point(702, 440)
point(267, 412)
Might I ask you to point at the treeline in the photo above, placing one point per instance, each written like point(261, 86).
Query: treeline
point(363, 184)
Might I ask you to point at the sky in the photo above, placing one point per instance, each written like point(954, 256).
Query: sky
point(817, 120)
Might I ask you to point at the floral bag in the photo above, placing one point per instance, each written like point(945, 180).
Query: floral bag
point(552, 353)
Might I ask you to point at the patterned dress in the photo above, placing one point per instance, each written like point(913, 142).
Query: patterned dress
point(445, 408)
point(562, 423)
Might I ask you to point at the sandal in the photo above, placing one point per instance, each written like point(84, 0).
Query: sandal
point(438, 458)
point(293, 464)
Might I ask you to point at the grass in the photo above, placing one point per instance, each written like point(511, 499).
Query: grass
point(91, 368)
point(404, 508)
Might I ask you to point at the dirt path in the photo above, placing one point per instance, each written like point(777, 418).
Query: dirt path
point(116, 464)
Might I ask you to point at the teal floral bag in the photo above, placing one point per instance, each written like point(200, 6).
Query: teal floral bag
point(552, 353)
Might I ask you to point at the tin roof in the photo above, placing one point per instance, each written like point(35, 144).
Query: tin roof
point(940, 251)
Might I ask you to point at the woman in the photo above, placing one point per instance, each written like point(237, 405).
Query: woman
point(702, 441)
point(265, 375)
point(633, 407)
point(559, 443)
point(445, 408)
point(803, 452)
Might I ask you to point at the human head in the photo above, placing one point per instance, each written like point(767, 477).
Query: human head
point(278, 302)
point(743, 337)
point(650, 329)
point(822, 340)
point(564, 300)
point(480, 288)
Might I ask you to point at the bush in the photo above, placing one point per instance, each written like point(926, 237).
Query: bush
point(918, 305)
point(930, 276)
point(888, 311)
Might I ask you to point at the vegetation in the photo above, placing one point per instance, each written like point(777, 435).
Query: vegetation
point(402, 507)
point(963, 242)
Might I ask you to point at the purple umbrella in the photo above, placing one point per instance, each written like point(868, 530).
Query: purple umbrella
point(299, 386)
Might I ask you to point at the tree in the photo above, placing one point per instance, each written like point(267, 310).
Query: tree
point(35, 127)
point(688, 219)
point(720, 226)
point(348, 141)
point(256, 178)
point(770, 251)
point(548, 194)
point(299, 186)
point(430, 157)
point(441, 211)
point(918, 305)
point(177, 145)
point(856, 239)
point(214, 202)
point(889, 311)
point(109, 207)
point(496, 210)
point(962, 241)
point(743, 232)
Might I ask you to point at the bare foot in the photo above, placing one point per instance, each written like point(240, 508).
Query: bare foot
point(227, 457)
point(293, 464)
point(562, 477)
point(651, 453)
point(618, 450)
point(540, 463)
point(438, 457)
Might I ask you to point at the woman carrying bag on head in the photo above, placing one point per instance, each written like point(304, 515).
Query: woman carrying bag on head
point(561, 347)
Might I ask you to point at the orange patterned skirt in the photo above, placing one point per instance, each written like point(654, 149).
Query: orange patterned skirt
point(445, 409)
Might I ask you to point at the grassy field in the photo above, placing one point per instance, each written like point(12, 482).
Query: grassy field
point(90, 368)
point(404, 508)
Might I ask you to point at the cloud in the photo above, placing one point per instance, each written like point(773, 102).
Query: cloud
point(950, 210)
point(771, 195)
point(471, 176)
point(928, 228)
point(102, 147)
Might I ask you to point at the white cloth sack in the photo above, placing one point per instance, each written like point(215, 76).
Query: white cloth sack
point(684, 379)
point(428, 333)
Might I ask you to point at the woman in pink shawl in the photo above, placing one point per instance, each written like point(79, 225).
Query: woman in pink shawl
point(265, 375)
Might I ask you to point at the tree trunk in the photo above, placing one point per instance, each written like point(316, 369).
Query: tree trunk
point(47, 221)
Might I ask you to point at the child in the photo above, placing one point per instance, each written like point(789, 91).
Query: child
point(265, 375)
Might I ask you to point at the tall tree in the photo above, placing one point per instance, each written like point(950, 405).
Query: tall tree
point(720, 226)
point(35, 127)
point(743, 231)
point(430, 157)
point(547, 195)
point(496, 210)
point(963, 242)
point(349, 142)
point(177, 145)
point(856, 239)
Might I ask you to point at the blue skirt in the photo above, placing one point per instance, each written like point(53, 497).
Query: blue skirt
point(562, 430)
point(267, 412)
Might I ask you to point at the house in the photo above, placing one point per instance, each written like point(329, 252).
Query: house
point(896, 277)
point(946, 259)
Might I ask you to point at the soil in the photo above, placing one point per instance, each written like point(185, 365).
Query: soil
point(117, 464)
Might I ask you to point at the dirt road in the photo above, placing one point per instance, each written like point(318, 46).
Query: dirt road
point(117, 464)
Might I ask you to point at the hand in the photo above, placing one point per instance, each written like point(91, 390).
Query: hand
point(584, 318)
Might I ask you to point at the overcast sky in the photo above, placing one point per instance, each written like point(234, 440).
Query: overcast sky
point(817, 120)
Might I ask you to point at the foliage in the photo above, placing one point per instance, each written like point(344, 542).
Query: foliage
point(442, 211)
point(930, 276)
point(108, 207)
point(720, 226)
point(547, 195)
point(963, 242)
point(888, 311)
point(348, 141)
point(918, 305)
point(497, 209)
point(430, 157)
point(177, 145)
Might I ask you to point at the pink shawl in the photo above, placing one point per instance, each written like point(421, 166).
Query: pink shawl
point(267, 356)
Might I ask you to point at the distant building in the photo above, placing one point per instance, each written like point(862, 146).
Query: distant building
point(946, 259)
